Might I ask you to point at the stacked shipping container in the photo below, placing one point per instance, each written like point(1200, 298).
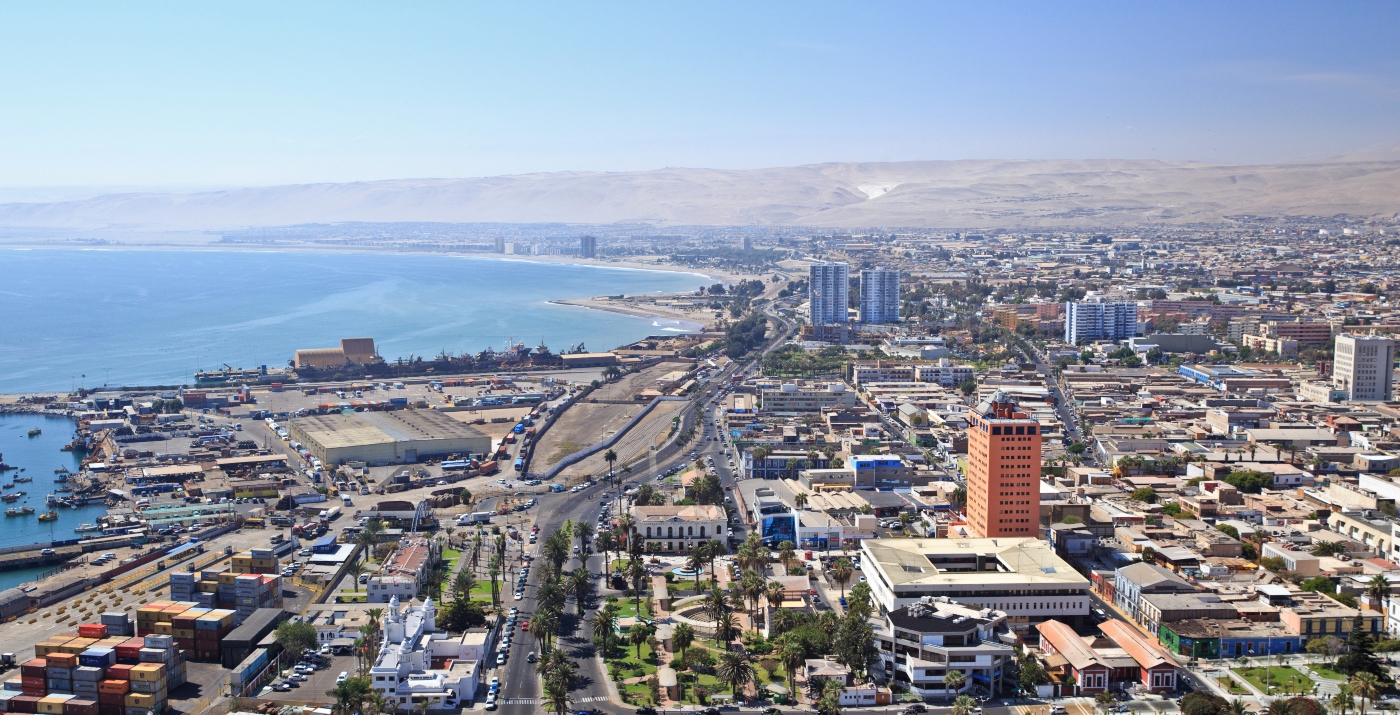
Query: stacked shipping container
point(113, 675)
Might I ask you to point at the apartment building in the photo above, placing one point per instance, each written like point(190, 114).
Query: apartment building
point(879, 296)
point(1100, 320)
point(790, 397)
point(1364, 367)
point(1003, 469)
point(829, 293)
point(925, 640)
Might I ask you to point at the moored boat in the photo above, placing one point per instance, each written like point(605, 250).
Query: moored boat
point(49, 515)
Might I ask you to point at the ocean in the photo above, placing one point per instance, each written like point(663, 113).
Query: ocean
point(38, 456)
point(74, 318)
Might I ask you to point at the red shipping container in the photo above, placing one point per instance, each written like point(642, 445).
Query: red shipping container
point(35, 668)
point(92, 630)
point(131, 648)
point(28, 681)
point(80, 707)
point(62, 660)
point(120, 671)
point(24, 704)
point(111, 708)
point(111, 698)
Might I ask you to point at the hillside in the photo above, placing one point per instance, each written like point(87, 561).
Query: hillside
point(950, 194)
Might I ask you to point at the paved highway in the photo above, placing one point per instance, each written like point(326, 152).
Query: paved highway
point(521, 689)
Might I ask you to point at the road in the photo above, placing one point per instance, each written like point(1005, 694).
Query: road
point(521, 689)
point(1063, 406)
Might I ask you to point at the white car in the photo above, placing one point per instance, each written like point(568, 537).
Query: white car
point(344, 676)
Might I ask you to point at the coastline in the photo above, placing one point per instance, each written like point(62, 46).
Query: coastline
point(610, 307)
point(208, 247)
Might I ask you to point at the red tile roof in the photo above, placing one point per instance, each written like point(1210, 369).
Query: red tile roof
point(1147, 654)
point(1068, 644)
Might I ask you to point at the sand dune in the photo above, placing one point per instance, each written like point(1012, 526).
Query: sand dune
point(947, 194)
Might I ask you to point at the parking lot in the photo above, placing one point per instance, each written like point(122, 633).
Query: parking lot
point(317, 683)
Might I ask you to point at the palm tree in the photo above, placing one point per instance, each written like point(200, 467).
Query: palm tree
point(611, 458)
point(605, 626)
point(963, 705)
point(734, 670)
point(543, 625)
point(493, 572)
point(954, 680)
point(354, 571)
point(790, 654)
point(1365, 686)
point(1343, 700)
point(800, 501)
point(791, 466)
point(1238, 707)
point(1279, 707)
point(637, 635)
point(556, 668)
point(463, 584)
point(716, 605)
point(580, 585)
point(557, 697)
point(605, 543)
point(696, 562)
point(713, 549)
point(1378, 588)
point(787, 554)
point(752, 587)
point(775, 594)
point(726, 629)
point(636, 573)
point(841, 573)
point(584, 531)
point(681, 638)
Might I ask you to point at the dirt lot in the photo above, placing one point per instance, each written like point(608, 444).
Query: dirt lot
point(583, 425)
point(635, 446)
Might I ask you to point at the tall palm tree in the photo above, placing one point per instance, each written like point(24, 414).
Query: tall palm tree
point(584, 531)
point(1365, 686)
point(789, 652)
point(463, 584)
point(726, 629)
point(841, 573)
point(580, 585)
point(611, 458)
point(800, 500)
point(557, 698)
point(556, 668)
point(542, 626)
point(494, 572)
point(605, 543)
point(695, 562)
point(605, 627)
point(355, 570)
point(713, 549)
point(716, 605)
point(775, 594)
point(1279, 707)
point(787, 554)
point(1238, 707)
point(681, 638)
point(636, 574)
point(734, 670)
point(1343, 700)
point(1378, 588)
point(954, 680)
point(637, 635)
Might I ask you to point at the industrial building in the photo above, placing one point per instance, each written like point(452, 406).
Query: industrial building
point(403, 436)
point(352, 351)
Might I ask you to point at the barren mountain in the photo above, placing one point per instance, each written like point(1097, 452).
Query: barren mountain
point(950, 194)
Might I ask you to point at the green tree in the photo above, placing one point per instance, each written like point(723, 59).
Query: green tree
point(953, 682)
point(1364, 685)
point(682, 636)
point(1032, 674)
point(296, 637)
point(734, 670)
point(841, 573)
point(354, 570)
point(1145, 494)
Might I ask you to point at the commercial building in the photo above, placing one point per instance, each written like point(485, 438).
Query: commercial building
point(945, 373)
point(352, 351)
point(1283, 347)
point(1364, 367)
point(1120, 659)
point(1003, 469)
point(829, 285)
point(791, 397)
point(1133, 581)
point(879, 296)
point(402, 436)
point(677, 529)
point(1022, 577)
point(588, 246)
point(1100, 320)
point(921, 642)
point(1306, 334)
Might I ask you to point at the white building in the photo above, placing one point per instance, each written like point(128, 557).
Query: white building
point(1098, 320)
point(383, 589)
point(1364, 367)
point(829, 284)
point(947, 374)
point(790, 397)
point(676, 529)
point(879, 296)
point(403, 674)
point(1020, 576)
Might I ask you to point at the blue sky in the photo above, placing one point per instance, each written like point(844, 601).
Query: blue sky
point(194, 94)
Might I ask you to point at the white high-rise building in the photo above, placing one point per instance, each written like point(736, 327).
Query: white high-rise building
point(830, 293)
point(879, 296)
point(1097, 320)
point(1364, 367)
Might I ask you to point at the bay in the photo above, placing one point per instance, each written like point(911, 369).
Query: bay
point(39, 456)
point(75, 318)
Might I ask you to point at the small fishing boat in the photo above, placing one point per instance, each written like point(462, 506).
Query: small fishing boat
point(49, 515)
point(64, 489)
point(24, 479)
point(14, 496)
point(50, 500)
point(11, 485)
point(35, 432)
point(61, 470)
point(22, 511)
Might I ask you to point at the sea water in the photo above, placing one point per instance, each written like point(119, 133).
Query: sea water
point(38, 456)
point(85, 318)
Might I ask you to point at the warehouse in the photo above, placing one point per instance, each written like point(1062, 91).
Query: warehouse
point(238, 644)
point(386, 437)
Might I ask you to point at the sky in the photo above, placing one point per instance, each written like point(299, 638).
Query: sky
point(201, 95)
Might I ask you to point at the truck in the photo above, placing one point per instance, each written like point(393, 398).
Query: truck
point(480, 517)
point(556, 488)
point(330, 514)
point(519, 464)
point(488, 468)
point(519, 428)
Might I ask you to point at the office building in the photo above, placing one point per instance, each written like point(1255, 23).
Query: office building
point(588, 246)
point(1099, 320)
point(789, 397)
point(830, 292)
point(1003, 470)
point(500, 245)
point(879, 296)
point(748, 243)
point(1021, 577)
point(1364, 367)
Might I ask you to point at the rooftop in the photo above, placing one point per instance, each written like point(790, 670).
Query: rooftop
point(907, 562)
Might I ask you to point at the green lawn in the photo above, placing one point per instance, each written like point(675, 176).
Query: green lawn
point(626, 608)
point(1281, 679)
point(1230, 685)
point(450, 557)
point(1322, 671)
point(647, 665)
point(637, 694)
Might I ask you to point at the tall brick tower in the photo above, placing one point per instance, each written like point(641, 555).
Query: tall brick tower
point(1003, 470)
